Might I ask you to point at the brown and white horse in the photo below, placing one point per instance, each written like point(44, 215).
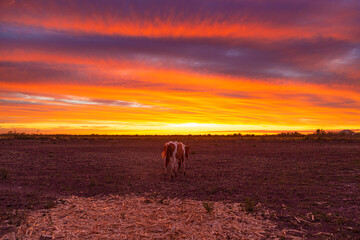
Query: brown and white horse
point(174, 155)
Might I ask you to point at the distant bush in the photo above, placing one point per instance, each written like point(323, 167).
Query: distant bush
point(19, 135)
point(290, 134)
point(320, 132)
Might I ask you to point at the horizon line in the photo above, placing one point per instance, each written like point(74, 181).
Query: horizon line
point(213, 133)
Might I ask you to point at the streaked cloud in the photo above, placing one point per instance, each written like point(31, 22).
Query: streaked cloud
point(316, 60)
point(205, 18)
point(200, 65)
point(21, 98)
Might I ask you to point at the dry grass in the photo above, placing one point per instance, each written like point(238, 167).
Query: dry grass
point(132, 217)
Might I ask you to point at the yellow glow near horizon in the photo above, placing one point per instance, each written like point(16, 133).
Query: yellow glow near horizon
point(153, 112)
point(121, 128)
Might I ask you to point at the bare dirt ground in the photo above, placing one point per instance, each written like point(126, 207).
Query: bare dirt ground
point(312, 187)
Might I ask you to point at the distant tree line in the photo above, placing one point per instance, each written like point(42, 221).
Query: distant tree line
point(318, 134)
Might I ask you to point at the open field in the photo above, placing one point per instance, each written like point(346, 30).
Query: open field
point(310, 186)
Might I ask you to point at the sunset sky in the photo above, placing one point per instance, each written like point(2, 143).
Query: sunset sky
point(179, 66)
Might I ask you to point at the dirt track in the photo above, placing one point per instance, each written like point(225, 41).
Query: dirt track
point(313, 187)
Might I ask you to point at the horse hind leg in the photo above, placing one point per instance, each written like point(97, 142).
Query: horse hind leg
point(182, 165)
point(174, 171)
point(174, 166)
point(166, 168)
point(165, 172)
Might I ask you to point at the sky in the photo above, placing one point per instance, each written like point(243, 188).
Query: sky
point(179, 66)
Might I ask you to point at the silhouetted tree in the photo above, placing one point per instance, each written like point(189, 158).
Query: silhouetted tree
point(320, 132)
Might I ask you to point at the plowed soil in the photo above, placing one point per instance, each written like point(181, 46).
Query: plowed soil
point(312, 187)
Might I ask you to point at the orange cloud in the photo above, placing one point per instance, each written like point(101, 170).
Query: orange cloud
point(195, 28)
point(163, 20)
point(123, 67)
point(213, 101)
